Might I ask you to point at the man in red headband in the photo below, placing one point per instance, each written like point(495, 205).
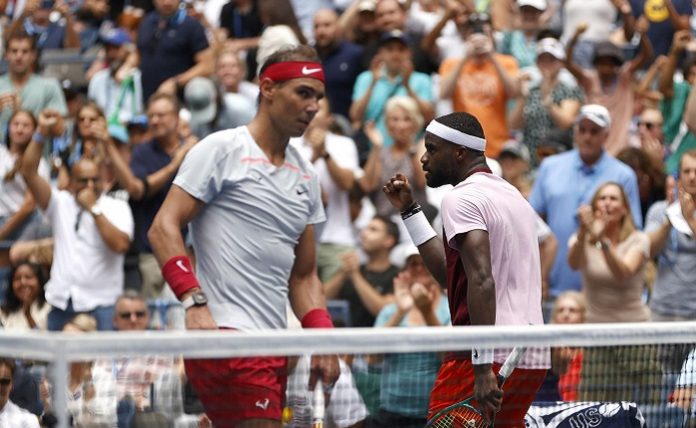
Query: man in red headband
point(252, 202)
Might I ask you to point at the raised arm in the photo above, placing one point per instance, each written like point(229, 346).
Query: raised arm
point(38, 186)
point(570, 64)
point(690, 110)
point(398, 191)
point(645, 53)
point(679, 42)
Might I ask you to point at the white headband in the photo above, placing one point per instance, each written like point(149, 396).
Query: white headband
point(456, 137)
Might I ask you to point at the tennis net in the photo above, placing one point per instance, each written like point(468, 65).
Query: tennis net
point(606, 375)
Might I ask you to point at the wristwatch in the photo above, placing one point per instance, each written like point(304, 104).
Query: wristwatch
point(96, 210)
point(198, 298)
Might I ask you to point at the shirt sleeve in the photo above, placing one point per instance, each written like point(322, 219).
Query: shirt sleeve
point(203, 172)
point(656, 216)
point(460, 215)
point(385, 314)
point(119, 214)
point(198, 40)
point(361, 84)
point(422, 86)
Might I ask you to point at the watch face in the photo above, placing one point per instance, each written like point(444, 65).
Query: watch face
point(199, 299)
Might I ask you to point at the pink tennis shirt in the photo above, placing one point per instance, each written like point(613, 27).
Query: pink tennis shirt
point(486, 202)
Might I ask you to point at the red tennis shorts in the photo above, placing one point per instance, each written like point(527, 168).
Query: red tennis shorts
point(455, 382)
point(233, 390)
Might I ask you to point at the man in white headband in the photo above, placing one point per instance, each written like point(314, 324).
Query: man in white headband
point(489, 263)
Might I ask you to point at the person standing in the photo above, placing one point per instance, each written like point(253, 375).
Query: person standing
point(252, 202)
point(490, 258)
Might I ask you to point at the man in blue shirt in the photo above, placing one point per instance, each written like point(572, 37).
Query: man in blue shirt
point(567, 180)
point(172, 49)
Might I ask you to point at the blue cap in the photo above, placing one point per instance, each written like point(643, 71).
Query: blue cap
point(394, 35)
point(139, 120)
point(118, 132)
point(115, 37)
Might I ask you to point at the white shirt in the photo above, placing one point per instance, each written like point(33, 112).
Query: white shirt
point(12, 191)
point(14, 416)
point(84, 267)
point(245, 235)
point(339, 227)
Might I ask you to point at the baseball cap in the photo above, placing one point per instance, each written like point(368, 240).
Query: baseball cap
point(115, 37)
point(139, 120)
point(551, 46)
point(394, 35)
point(516, 149)
point(367, 6)
point(199, 96)
point(607, 49)
point(118, 132)
point(596, 113)
point(536, 4)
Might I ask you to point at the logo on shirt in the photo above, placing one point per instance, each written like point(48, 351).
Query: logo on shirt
point(307, 71)
point(301, 191)
point(263, 404)
point(180, 265)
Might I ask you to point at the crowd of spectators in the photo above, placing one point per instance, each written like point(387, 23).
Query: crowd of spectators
point(588, 107)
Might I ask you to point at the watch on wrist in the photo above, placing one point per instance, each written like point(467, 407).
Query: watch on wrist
point(96, 210)
point(198, 298)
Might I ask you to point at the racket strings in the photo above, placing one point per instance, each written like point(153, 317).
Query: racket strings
point(461, 417)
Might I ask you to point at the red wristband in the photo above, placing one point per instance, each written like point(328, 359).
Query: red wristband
point(317, 318)
point(179, 275)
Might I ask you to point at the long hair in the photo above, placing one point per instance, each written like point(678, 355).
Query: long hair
point(627, 226)
point(12, 303)
point(14, 114)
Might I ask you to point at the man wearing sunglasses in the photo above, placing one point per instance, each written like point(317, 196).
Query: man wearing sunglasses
point(12, 415)
point(91, 231)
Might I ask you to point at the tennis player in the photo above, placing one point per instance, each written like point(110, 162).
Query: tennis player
point(252, 202)
point(489, 263)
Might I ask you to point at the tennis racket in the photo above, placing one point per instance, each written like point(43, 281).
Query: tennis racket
point(318, 406)
point(463, 414)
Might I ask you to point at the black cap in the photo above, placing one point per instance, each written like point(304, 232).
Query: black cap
point(388, 36)
point(608, 50)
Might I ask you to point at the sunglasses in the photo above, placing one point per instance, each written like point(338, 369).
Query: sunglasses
point(128, 315)
point(5, 381)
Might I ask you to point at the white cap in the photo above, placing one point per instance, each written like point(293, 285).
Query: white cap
point(551, 46)
point(536, 4)
point(366, 6)
point(597, 114)
point(199, 96)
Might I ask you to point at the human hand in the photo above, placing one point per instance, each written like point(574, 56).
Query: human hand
point(681, 40)
point(86, 198)
point(350, 262)
point(62, 8)
point(402, 292)
point(670, 184)
point(373, 134)
point(200, 318)
point(9, 100)
point(688, 207)
point(585, 218)
point(183, 149)
point(326, 368)
point(50, 123)
point(376, 67)
point(487, 393)
point(522, 82)
point(316, 136)
point(168, 87)
point(422, 297)
point(581, 28)
point(622, 6)
point(205, 422)
point(398, 191)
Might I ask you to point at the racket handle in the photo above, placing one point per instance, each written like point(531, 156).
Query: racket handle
point(318, 406)
point(511, 362)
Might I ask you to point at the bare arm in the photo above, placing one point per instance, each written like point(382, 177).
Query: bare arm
point(333, 286)
point(205, 66)
point(570, 64)
point(515, 118)
point(117, 240)
point(623, 267)
point(36, 184)
point(177, 210)
point(547, 251)
point(370, 298)
point(305, 289)
point(18, 217)
point(372, 171)
point(645, 53)
point(509, 82)
point(679, 42)
point(474, 250)
point(564, 114)
point(358, 107)
point(71, 40)
point(680, 22)
point(658, 238)
point(449, 81)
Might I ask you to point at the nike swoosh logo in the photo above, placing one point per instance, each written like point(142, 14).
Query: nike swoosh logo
point(300, 192)
point(181, 266)
point(263, 404)
point(307, 71)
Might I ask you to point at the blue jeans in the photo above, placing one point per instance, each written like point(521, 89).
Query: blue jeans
point(104, 315)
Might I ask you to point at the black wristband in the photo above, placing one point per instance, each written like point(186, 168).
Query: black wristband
point(412, 210)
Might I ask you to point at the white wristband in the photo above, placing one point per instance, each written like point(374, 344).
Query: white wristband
point(420, 230)
point(481, 356)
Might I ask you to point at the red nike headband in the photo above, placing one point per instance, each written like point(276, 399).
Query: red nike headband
point(282, 71)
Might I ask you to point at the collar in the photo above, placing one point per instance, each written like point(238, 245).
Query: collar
point(589, 169)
